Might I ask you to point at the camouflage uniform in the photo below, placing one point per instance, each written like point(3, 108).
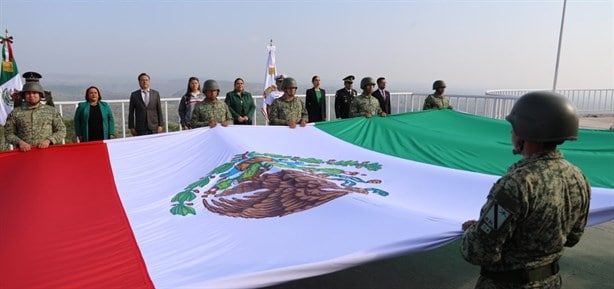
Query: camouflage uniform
point(207, 111)
point(283, 110)
point(538, 207)
point(365, 103)
point(436, 102)
point(33, 125)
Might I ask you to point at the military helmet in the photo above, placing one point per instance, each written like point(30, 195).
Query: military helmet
point(366, 81)
point(211, 84)
point(544, 116)
point(33, 86)
point(288, 82)
point(439, 84)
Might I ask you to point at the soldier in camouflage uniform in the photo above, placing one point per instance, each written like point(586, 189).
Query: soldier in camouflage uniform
point(211, 111)
point(437, 100)
point(288, 109)
point(537, 208)
point(366, 104)
point(34, 124)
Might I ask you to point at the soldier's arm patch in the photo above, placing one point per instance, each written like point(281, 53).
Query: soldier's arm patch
point(494, 219)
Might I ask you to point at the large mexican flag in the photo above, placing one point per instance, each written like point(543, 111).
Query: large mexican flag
point(10, 80)
point(248, 206)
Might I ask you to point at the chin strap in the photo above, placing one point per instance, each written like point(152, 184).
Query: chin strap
point(518, 149)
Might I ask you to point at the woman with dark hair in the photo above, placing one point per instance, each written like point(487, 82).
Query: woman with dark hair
point(192, 96)
point(315, 101)
point(94, 118)
point(241, 103)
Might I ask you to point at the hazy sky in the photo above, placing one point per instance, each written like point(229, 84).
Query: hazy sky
point(472, 45)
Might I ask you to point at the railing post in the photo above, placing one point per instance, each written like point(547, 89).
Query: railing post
point(166, 115)
point(123, 119)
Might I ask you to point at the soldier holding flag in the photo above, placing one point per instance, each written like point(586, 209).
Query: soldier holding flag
point(34, 124)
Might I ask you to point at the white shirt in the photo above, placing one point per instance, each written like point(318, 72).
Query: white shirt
point(272, 96)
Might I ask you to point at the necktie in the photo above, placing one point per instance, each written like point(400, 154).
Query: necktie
point(146, 97)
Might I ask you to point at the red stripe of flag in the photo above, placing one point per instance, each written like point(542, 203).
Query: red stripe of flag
point(62, 223)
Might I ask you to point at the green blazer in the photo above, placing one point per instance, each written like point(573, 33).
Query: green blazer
point(82, 116)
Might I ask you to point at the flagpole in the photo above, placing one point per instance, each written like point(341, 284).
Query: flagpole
point(558, 52)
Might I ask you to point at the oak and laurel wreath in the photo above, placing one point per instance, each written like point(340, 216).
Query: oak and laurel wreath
point(182, 201)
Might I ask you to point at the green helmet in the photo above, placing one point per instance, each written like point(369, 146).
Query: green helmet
point(211, 84)
point(544, 116)
point(288, 82)
point(365, 81)
point(439, 84)
point(33, 86)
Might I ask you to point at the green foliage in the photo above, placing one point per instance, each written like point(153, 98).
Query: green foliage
point(250, 171)
point(183, 197)
point(182, 210)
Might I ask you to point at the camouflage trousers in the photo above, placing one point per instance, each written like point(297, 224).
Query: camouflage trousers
point(552, 282)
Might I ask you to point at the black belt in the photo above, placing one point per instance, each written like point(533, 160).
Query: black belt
point(522, 276)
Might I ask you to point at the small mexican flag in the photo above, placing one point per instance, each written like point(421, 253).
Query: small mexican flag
point(10, 81)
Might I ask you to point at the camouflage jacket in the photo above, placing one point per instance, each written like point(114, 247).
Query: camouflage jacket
point(34, 125)
point(538, 207)
point(207, 111)
point(283, 110)
point(436, 102)
point(363, 104)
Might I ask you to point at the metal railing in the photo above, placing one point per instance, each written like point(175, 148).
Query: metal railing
point(587, 101)
point(495, 104)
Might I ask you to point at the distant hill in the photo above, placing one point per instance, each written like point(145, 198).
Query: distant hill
point(67, 87)
point(72, 87)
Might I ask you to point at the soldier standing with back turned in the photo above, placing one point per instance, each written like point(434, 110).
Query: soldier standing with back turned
point(537, 208)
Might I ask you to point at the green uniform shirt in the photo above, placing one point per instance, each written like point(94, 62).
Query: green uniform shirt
point(283, 111)
point(436, 102)
point(363, 104)
point(33, 125)
point(207, 111)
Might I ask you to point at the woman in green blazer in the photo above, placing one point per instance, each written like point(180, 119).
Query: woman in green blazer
point(94, 118)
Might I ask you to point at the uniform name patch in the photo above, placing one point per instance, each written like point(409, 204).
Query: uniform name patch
point(494, 218)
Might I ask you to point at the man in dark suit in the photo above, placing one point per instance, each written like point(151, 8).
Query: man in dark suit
point(315, 101)
point(144, 110)
point(382, 95)
point(344, 97)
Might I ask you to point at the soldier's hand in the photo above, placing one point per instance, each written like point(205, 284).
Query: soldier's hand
point(303, 123)
point(368, 114)
point(383, 114)
point(44, 144)
point(159, 129)
point(24, 146)
point(212, 124)
point(224, 123)
point(291, 123)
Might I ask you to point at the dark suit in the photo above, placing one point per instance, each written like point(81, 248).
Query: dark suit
point(384, 101)
point(343, 100)
point(145, 118)
point(316, 110)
